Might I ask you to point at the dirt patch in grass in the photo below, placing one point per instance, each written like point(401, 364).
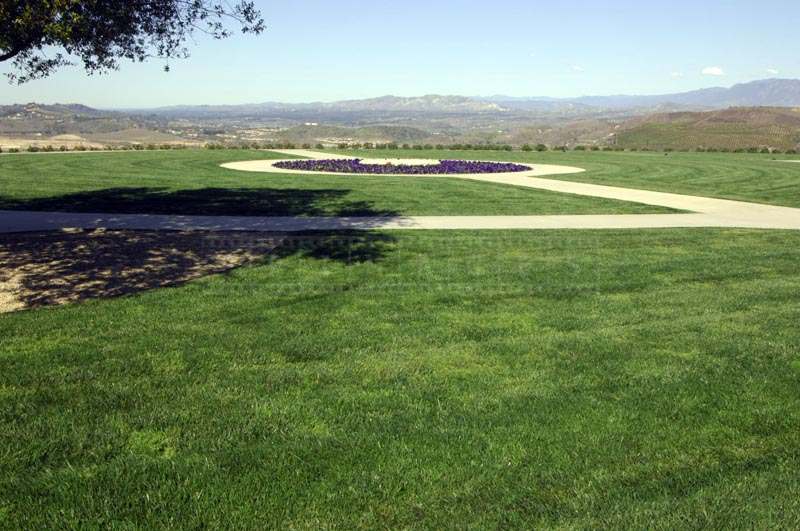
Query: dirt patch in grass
point(42, 269)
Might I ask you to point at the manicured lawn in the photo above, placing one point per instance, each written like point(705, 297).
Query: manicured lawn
point(191, 182)
point(438, 380)
point(644, 379)
point(746, 177)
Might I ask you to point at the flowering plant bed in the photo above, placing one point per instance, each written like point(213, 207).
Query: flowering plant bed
point(444, 167)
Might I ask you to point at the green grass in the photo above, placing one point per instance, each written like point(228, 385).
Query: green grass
point(746, 177)
point(574, 379)
point(487, 379)
point(191, 182)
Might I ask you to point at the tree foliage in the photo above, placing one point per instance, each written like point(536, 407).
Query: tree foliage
point(39, 36)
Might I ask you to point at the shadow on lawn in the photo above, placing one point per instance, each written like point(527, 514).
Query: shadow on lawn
point(203, 201)
point(40, 269)
point(43, 269)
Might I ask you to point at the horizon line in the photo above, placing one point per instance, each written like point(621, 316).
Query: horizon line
point(431, 94)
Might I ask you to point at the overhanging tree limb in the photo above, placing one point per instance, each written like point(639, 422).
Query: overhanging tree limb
point(11, 54)
point(100, 33)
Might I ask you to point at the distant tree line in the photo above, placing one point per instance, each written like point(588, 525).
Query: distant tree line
point(392, 146)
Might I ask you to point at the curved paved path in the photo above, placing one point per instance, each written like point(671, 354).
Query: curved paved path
point(705, 211)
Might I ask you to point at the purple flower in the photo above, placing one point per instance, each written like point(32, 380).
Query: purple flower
point(443, 168)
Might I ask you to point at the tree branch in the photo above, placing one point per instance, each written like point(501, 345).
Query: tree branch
point(13, 52)
point(101, 32)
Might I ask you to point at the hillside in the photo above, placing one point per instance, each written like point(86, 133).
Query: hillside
point(385, 105)
point(59, 119)
point(701, 118)
point(430, 103)
point(334, 134)
point(71, 125)
point(765, 92)
point(734, 128)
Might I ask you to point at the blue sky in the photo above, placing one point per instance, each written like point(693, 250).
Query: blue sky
point(322, 50)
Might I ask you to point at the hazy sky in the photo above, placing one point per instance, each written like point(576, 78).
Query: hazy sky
point(323, 50)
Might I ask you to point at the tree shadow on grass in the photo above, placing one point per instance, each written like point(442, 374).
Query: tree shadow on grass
point(51, 268)
point(40, 269)
point(204, 201)
point(348, 247)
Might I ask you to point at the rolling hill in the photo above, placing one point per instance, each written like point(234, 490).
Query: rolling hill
point(431, 104)
point(767, 92)
point(59, 119)
point(71, 125)
point(734, 128)
point(762, 93)
point(312, 134)
point(745, 115)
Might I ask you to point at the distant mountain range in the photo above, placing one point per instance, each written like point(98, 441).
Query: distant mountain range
point(764, 93)
point(347, 111)
point(760, 115)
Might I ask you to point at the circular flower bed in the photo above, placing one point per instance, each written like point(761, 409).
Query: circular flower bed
point(444, 167)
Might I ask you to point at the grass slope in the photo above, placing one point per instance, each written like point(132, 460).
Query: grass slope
point(191, 182)
point(494, 379)
point(746, 177)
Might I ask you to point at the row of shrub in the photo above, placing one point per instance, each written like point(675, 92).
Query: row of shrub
point(256, 145)
point(123, 147)
point(421, 147)
point(543, 147)
point(747, 150)
point(589, 148)
point(764, 150)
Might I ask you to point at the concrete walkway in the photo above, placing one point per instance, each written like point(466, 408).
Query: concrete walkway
point(22, 221)
point(705, 211)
